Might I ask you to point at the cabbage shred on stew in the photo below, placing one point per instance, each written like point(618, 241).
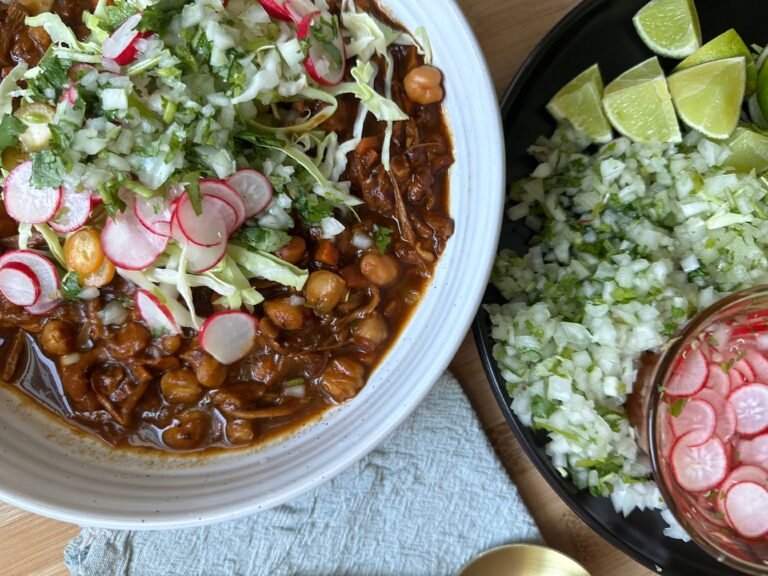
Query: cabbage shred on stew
point(97, 363)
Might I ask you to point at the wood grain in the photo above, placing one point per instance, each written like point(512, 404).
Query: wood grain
point(507, 29)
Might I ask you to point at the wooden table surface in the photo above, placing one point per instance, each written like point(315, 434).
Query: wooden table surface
point(507, 30)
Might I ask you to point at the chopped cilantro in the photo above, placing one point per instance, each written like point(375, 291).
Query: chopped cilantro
point(117, 13)
point(541, 407)
point(10, 129)
point(52, 78)
point(382, 236)
point(47, 169)
point(192, 180)
point(109, 194)
point(61, 138)
point(676, 408)
point(312, 208)
point(70, 286)
point(726, 366)
point(255, 238)
point(157, 17)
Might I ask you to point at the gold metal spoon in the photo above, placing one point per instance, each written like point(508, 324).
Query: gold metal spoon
point(523, 560)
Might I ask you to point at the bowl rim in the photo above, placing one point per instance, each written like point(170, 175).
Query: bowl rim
point(494, 174)
point(664, 366)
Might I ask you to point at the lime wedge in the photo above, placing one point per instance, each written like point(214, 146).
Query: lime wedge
point(749, 150)
point(708, 97)
point(639, 106)
point(728, 45)
point(580, 102)
point(669, 27)
point(762, 89)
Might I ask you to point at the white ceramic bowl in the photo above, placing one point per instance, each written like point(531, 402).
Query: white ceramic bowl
point(46, 469)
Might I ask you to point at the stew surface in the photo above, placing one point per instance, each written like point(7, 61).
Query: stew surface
point(314, 347)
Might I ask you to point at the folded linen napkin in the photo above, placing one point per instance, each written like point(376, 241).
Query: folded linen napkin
point(425, 502)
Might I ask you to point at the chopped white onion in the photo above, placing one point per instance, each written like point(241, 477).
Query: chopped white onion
point(361, 241)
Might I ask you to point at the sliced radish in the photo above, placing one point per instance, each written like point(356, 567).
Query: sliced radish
point(751, 405)
point(746, 508)
point(211, 226)
point(224, 191)
point(298, 10)
point(718, 381)
point(726, 416)
point(228, 336)
point(737, 378)
point(276, 9)
point(128, 244)
point(303, 27)
point(24, 202)
point(745, 369)
point(740, 474)
point(321, 65)
point(699, 466)
point(156, 314)
point(254, 188)
point(758, 363)
point(74, 211)
point(46, 275)
point(696, 416)
point(754, 451)
point(69, 96)
point(155, 214)
point(121, 46)
point(690, 376)
point(199, 258)
point(19, 284)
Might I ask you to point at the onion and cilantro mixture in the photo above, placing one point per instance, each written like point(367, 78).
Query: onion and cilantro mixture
point(164, 99)
point(630, 241)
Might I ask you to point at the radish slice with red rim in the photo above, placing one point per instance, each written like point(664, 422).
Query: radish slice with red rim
point(276, 9)
point(754, 452)
point(751, 405)
point(326, 61)
point(696, 416)
point(699, 466)
point(199, 258)
point(746, 508)
point(737, 378)
point(740, 474)
point(69, 96)
point(224, 191)
point(156, 314)
point(689, 377)
point(758, 363)
point(24, 202)
point(254, 188)
point(746, 370)
point(228, 336)
point(46, 275)
point(155, 214)
point(298, 10)
point(302, 29)
point(128, 244)
point(726, 417)
point(211, 226)
point(718, 381)
point(121, 45)
point(19, 284)
point(74, 211)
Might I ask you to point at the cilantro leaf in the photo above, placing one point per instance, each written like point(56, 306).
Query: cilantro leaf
point(676, 408)
point(70, 286)
point(382, 236)
point(10, 129)
point(61, 138)
point(266, 240)
point(47, 169)
point(117, 14)
point(312, 208)
point(157, 17)
point(192, 180)
point(52, 78)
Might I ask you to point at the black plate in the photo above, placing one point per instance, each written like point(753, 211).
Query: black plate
point(596, 31)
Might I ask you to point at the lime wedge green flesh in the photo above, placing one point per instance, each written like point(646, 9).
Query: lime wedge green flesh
point(708, 97)
point(639, 106)
point(669, 27)
point(762, 89)
point(580, 102)
point(728, 45)
point(749, 150)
